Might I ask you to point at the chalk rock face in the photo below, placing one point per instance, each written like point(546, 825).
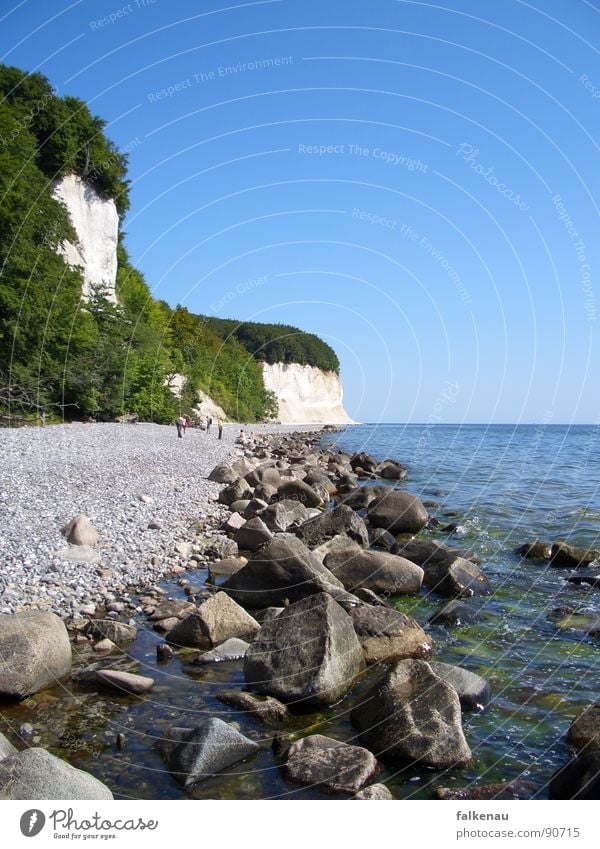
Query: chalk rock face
point(96, 223)
point(306, 395)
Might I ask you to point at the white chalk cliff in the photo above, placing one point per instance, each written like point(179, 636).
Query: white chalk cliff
point(206, 406)
point(96, 223)
point(306, 395)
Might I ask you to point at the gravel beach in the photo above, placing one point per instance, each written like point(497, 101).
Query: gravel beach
point(123, 478)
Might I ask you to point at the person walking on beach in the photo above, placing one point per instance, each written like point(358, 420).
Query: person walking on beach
point(220, 426)
point(180, 424)
point(208, 424)
point(42, 412)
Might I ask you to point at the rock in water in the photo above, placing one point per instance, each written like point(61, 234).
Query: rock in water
point(473, 691)
point(411, 716)
point(578, 779)
point(216, 620)
point(387, 635)
point(377, 571)
point(199, 753)
point(571, 557)
point(309, 654)
point(125, 682)
point(266, 708)
point(517, 789)
point(232, 649)
point(107, 629)
point(534, 550)
point(35, 653)
point(333, 523)
point(319, 761)
point(374, 792)
point(455, 613)
point(398, 512)
point(36, 774)
point(584, 733)
point(80, 531)
point(284, 568)
point(455, 576)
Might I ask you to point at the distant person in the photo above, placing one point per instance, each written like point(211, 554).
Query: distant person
point(42, 413)
point(220, 427)
point(208, 424)
point(180, 424)
point(186, 423)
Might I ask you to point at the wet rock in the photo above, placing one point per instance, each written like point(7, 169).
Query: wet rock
point(104, 646)
point(387, 635)
point(35, 653)
point(398, 512)
point(342, 520)
point(335, 767)
point(283, 515)
point(36, 774)
point(215, 621)
point(534, 550)
point(309, 654)
point(375, 570)
point(374, 792)
point(473, 691)
point(227, 567)
point(390, 470)
point(284, 568)
point(172, 608)
point(572, 557)
point(412, 716)
point(107, 629)
point(592, 581)
point(125, 682)
point(252, 534)
point(361, 498)
point(457, 577)
point(268, 710)
point(455, 614)
point(364, 461)
point(199, 753)
point(223, 474)
point(6, 748)
point(429, 553)
point(578, 779)
point(232, 649)
point(164, 652)
point(505, 790)
point(584, 732)
point(297, 490)
point(80, 531)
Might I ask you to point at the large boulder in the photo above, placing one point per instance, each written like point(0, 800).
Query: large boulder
point(110, 629)
point(216, 620)
point(430, 553)
point(360, 498)
point(252, 534)
point(455, 613)
point(377, 571)
point(308, 655)
point(391, 470)
point(196, 754)
point(386, 634)
point(297, 490)
point(473, 691)
point(363, 461)
point(35, 653)
point(238, 490)
point(333, 523)
point(80, 531)
point(283, 569)
point(535, 550)
point(411, 716)
point(398, 512)
point(578, 779)
point(223, 474)
point(264, 475)
point(572, 557)
point(328, 764)
point(281, 515)
point(456, 577)
point(36, 774)
point(584, 732)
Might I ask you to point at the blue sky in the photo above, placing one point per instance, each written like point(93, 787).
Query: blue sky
point(415, 182)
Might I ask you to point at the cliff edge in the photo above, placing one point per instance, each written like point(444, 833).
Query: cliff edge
point(306, 394)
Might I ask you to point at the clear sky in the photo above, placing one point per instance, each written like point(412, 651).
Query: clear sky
point(415, 182)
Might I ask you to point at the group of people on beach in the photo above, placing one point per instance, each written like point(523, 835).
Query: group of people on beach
point(183, 422)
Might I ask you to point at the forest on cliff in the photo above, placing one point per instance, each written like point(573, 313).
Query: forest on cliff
point(94, 357)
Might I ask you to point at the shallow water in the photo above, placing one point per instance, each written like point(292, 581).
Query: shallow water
point(508, 485)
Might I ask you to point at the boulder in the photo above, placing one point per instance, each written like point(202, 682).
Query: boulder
point(411, 716)
point(236, 491)
point(264, 475)
point(455, 613)
point(242, 466)
point(6, 748)
point(223, 474)
point(124, 682)
point(377, 571)
point(584, 732)
point(328, 764)
point(309, 654)
point(296, 490)
point(254, 507)
point(342, 520)
point(360, 498)
point(398, 512)
point(430, 553)
point(535, 550)
point(281, 515)
point(504, 790)
point(391, 470)
point(473, 691)
point(35, 653)
point(457, 577)
point(36, 774)
point(240, 506)
point(109, 629)
point(171, 607)
point(216, 620)
point(268, 710)
point(387, 635)
point(283, 569)
point(226, 567)
point(235, 521)
point(572, 557)
point(80, 531)
point(382, 539)
point(374, 792)
point(196, 754)
point(578, 779)
point(252, 534)
point(231, 649)
point(364, 461)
